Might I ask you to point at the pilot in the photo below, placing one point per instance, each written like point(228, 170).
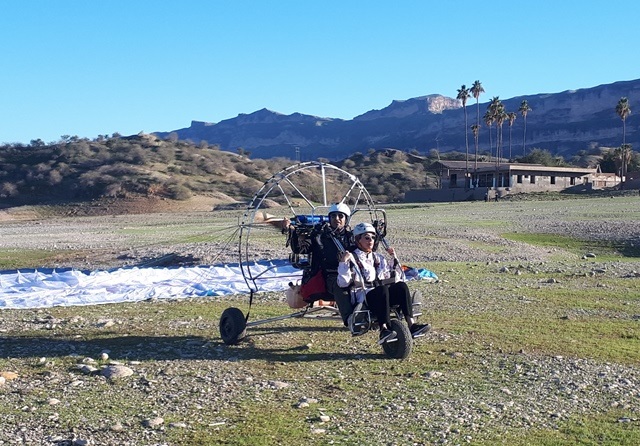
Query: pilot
point(325, 254)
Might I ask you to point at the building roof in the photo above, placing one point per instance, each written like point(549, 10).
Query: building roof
point(462, 165)
point(510, 167)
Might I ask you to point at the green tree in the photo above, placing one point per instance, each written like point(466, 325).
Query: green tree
point(634, 161)
point(524, 111)
point(623, 154)
point(463, 96)
point(476, 90)
point(608, 162)
point(543, 157)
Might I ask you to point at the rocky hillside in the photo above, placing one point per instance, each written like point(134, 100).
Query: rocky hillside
point(563, 123)
point(137, 166)
point(144, 166)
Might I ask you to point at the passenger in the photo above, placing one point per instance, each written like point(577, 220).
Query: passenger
point(325, 255)
point(375, 269)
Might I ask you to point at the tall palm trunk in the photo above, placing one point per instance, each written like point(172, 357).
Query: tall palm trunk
point(524, 137)
point(477, 135)
point(510, 128)
point(466, 145)
point(490, 140)
point(624, 110)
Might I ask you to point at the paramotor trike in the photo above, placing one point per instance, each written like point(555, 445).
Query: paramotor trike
point(302, 195)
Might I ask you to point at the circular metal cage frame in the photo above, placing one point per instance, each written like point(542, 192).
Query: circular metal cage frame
point(306, 189)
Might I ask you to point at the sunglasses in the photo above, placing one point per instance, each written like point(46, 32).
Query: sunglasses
point(338, 215)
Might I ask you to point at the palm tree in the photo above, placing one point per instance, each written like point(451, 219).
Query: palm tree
point(475, 129)
point(626, 157)
point(511, 117)
point(623, 155)
point(489, 119)
point(491, 116)
point(624, 110)
point(496, 113)
point(463, 95)
point(524, 110)
point(501, 116)
point(476, 90)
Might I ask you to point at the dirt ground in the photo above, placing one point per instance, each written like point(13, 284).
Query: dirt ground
point(147, 232)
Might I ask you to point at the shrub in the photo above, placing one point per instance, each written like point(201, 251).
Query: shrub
point(178, 192)
point(8, 190)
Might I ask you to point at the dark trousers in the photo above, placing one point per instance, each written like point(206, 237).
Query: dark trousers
point(383, 297)
point(340, 295)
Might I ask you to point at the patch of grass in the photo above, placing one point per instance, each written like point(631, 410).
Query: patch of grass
point(254, 423)
point(606, 250)
point(602, 340)
point(591, 430)
point(21, 259)
point(578, 316)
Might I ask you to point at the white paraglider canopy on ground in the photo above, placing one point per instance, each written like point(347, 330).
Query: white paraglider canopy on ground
point(68, 287)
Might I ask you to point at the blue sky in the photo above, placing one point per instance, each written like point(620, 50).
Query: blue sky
point(79, 67)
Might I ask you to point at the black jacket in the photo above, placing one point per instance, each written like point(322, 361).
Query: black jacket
point(324, 253)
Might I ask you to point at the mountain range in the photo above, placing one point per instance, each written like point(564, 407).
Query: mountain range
point(562, 123)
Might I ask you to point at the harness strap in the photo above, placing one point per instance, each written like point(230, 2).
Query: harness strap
point(376, 264)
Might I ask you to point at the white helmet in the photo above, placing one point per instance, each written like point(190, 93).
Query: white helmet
point(363, 228)
point(340, 207)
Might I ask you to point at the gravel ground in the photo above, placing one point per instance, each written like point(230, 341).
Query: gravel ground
point(518, 392)
point(177, 383)
point(126, 390)
point(448, 232)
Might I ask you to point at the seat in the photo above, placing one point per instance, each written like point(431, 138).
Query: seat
point(361, 320)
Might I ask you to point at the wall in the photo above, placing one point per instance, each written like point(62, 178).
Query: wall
point(543, 183)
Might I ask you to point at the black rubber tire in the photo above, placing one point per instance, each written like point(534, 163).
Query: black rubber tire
point(400, 348)
point(233, 326)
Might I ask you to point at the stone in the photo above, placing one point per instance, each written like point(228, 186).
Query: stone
point(116, 371)
point(87, 369)
point(9, 376)
point(153, 422)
